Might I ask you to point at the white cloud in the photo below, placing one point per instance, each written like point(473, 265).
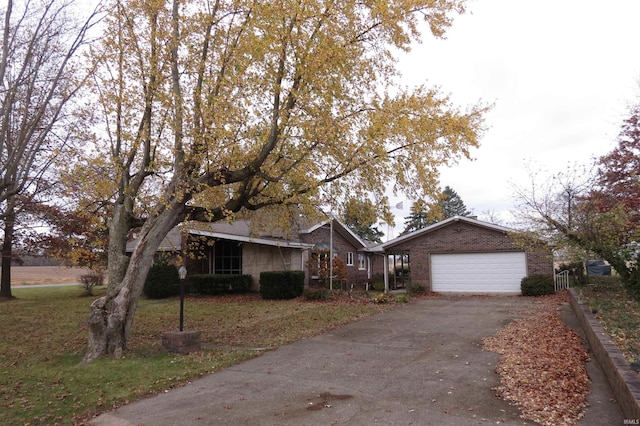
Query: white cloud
point(561, 74)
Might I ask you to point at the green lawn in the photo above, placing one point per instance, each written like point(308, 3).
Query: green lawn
point(43, 337)
point(618, 313)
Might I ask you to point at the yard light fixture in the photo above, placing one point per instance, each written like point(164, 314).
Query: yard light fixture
point(182, 273)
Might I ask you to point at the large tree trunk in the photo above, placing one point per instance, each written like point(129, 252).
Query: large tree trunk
point(7, 250)
point(7, 256)
point(117, 259)
point(111, 316)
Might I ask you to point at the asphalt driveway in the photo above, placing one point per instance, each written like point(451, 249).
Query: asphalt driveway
point(420, 364)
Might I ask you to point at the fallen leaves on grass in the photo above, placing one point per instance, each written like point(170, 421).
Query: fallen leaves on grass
point(617, 312)
point(542, 369)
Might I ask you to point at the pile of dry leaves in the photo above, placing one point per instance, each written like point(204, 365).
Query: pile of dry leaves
point(542, 369)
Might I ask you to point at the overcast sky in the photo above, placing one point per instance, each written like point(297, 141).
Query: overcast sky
point(560, 73)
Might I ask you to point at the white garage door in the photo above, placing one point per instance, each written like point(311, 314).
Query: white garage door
point(478, 272)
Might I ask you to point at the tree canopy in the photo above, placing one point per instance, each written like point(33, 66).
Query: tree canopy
point(204, 109)
point(39, 75)
point(618, 172)
point(361, 216)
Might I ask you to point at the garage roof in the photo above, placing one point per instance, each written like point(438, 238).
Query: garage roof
point(389, 244)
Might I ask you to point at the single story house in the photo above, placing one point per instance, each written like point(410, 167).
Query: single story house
point(462, 255)
point(456, 255)
point(236, 248)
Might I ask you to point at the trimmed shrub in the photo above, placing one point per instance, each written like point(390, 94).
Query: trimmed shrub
point(310, 293)
point(537, 285)
point(401, 298)
point(162, 281)
point(281, 284)
point(215, 284)
point(376, 282)
point(377, 286)
point(416, 289)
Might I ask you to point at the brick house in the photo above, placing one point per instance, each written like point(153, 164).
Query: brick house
point(237, 248)
point(462, 255)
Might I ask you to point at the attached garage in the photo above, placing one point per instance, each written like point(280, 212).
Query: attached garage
point(462, 255)
point(478, 272)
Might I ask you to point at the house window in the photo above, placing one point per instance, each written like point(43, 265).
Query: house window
point(349, 258)
point(361, 261)
point(227, 257)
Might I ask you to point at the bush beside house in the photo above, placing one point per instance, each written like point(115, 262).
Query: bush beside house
point(162, 281)
point(537, 285)
point(215, 284)
point(281, 284)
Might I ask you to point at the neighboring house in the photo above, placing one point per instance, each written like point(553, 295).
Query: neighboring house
point(236, 248)
point(461, 255)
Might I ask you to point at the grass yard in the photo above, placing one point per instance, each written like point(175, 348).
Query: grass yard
point(618, 313)
point(44, 335)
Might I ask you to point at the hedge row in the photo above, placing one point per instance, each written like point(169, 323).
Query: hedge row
point(219, 284)
point(163, 281)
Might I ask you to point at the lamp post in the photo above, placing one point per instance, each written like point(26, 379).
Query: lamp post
point(181, 341)
point(182, 272)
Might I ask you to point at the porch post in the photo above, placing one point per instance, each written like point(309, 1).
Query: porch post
point(331, 253)
point(386, 272)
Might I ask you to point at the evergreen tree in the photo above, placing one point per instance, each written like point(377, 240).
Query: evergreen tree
point(451, 204)
point(418, 219)
point(422, 215)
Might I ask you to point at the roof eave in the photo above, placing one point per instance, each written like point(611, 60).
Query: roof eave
point(254, 240)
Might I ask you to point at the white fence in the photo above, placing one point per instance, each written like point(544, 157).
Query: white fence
point(561, 280)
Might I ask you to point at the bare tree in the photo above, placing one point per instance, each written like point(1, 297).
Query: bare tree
point(563, 210)
point(38, 78)
point(492, 216)
point(595, 210)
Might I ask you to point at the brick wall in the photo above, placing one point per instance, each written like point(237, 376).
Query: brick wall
point(341, 244)
point(624, 382)
point(539, 262)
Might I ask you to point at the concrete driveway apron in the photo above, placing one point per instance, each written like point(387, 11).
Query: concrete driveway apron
point(419, 364)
